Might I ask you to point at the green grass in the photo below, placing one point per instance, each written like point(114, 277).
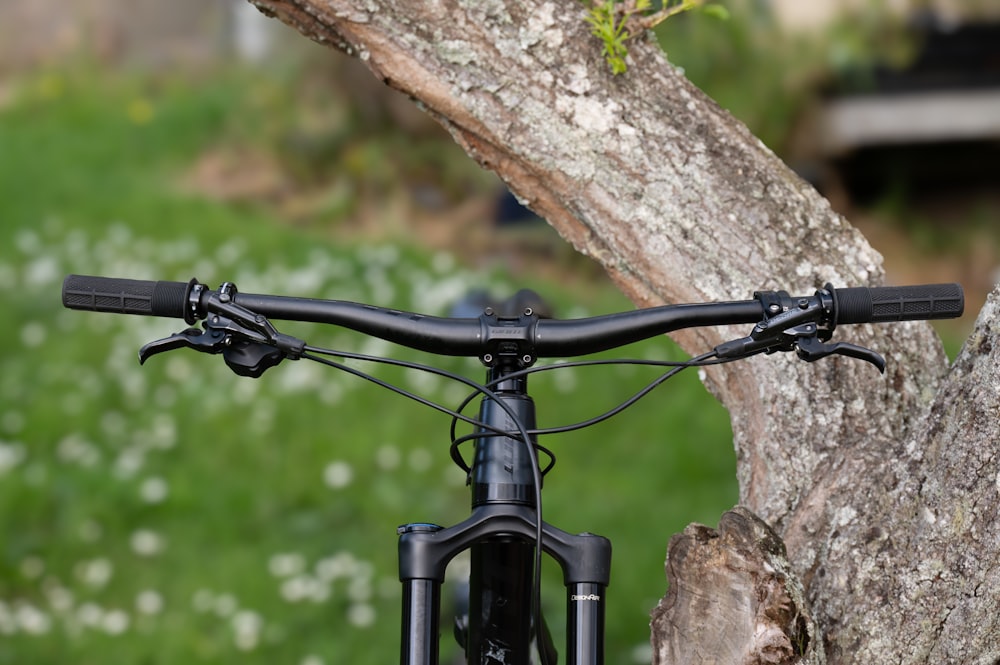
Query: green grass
point(177, 513)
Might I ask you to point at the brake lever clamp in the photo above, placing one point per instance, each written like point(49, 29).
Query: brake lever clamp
point(785, 319)
point(248, 325)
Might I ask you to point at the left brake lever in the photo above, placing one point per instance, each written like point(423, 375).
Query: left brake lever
point(206, 341)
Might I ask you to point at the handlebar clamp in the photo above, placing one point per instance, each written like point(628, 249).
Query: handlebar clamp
point(508, 341)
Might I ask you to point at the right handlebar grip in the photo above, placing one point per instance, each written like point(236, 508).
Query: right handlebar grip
point(883, 304)
point(127, 296)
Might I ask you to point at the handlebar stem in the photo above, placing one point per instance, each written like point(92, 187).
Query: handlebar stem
point(509, 342)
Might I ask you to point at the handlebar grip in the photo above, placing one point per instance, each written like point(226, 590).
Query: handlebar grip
point(882, 304)
point(127, 296)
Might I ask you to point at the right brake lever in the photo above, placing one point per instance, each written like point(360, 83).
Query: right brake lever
point(807, 339)
point(806, 342)
point(811, 349)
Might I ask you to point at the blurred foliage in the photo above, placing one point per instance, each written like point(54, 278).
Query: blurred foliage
point(765, 75)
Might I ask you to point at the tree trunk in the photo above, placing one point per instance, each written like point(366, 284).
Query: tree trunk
point(883, 488)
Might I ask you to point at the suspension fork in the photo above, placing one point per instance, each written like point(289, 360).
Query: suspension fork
point(501, 535)
point(425, 551)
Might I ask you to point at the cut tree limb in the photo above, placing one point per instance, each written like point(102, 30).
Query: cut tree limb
point(732, 599)
point(882, 487)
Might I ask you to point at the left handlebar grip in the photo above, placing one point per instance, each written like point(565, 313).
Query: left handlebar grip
point(128, 296)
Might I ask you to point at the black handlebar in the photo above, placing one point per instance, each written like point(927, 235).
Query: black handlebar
point(546, 337)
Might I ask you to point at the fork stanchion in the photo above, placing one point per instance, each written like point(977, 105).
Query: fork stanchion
point(421, 622)
point(585, 603)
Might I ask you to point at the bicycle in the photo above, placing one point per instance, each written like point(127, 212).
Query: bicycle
point(505, 532)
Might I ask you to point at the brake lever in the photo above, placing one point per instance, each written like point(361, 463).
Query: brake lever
point(811, 349)
point(805, 339)
point(249, 344)
point(206, 341)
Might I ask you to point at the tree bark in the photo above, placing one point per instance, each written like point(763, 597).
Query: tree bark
point(883, 488)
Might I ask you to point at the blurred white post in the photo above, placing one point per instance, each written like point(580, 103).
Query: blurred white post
point(252, 32)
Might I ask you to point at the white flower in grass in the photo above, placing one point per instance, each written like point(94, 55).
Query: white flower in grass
point(33, 334)
point(299, 377)
point(115, 622)
point(75, 449)
point(312, 659)
point(286, 564)
point(60, 598)
point(224, 604)
point(247, 626)
point(331, 393)
point(333, 567)
point(129, 461)
point(387, 457)
point(338, 474)
point(11, 454)
point(31, 620)
point(230, 252)
point(89, 615)
point(149, 602)
point(94, 573)
point(7, 624)
point(642, 653)
point(423, 383)
point(164, 433)
point(295, 589)
point(43, 271)
point(319, 591)
point(361, 615)
point(146, 542)
point(154, 490)
point(305, 588)
point(305, 280)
